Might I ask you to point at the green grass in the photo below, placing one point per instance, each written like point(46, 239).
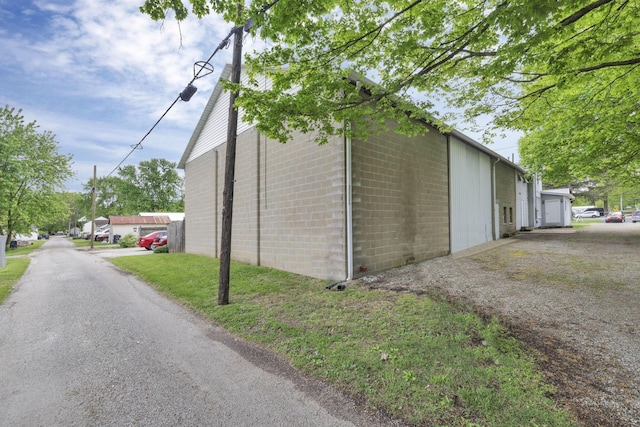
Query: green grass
point(585, 222)
point(416, 357)
point(85, 243)
point(17, 264)
point(11, 273)
point(24, 250)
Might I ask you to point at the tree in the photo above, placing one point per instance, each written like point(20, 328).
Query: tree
point(32, 174)
point(67, 216)
point(590, 192)
point(110, 197)
point(565, 72)
point(153, 186)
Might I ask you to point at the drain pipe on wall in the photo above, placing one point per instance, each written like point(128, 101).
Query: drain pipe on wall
point(349, 193)
point(340, 285)
point(496, 207)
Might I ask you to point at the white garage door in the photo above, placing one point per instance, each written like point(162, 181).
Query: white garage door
point(470, 192)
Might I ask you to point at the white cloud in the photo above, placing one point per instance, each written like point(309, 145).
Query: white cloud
point(99, 74)
point(109, 50)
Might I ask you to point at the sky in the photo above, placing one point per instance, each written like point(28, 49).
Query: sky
point(99, 74)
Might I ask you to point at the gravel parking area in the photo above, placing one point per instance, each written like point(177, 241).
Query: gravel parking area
point(573, 295)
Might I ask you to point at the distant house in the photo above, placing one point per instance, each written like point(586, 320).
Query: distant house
point(99, 222)
point(555, 207)
point(174, 216)
point(350, 206)
point(27, 237)
point(136, 225)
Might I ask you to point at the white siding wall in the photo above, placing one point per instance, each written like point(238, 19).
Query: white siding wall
point(522, 203)
point(470, 196)
point(214, 132)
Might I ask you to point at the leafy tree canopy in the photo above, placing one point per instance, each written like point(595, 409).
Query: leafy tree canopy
point(32, 174)
point(566, 73)
point(67, 216)
point(153, 186)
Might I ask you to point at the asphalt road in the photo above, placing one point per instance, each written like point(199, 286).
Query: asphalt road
point(82, 343)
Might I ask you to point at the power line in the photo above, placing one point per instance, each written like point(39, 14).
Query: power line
point(189, 90)
point(139, 144)
point(202, 66)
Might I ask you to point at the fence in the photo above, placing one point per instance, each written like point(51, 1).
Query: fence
point(175, 236)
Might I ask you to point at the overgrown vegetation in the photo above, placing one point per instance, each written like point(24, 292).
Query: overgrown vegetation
point(128, 241)
point(417, 357)
point(161, 249)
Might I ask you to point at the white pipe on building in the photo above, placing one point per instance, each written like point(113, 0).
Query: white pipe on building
point(349, 192)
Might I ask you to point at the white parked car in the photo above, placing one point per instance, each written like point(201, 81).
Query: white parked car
point(588, 214)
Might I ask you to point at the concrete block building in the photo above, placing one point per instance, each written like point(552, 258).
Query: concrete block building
point(347, 207)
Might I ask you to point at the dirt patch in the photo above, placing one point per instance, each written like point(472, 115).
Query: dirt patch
point(571, 297)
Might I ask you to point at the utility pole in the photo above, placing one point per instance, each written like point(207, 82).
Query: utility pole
point(229, 175)
point(93, 207)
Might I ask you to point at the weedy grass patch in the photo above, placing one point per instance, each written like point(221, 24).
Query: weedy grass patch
point(10, 274)
point(421, 358)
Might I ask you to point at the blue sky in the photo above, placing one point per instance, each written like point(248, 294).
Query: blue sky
point(99, 74)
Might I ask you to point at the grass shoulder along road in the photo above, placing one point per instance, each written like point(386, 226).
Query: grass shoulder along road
point(86, 243)
point(420, 358)
point(10, 274)
point(17, 264)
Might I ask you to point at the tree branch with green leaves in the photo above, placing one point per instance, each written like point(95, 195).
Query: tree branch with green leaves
point(535, 67)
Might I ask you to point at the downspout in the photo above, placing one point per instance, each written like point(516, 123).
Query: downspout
point(258, 200)
point(340, 284)
point(349, 198)
point(450, 191)
point(496, 215)
point(216, 231)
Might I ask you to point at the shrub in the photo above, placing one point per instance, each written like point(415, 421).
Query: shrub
point(128, 241)
point(161, 249)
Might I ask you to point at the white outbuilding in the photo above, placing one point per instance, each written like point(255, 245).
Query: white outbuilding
point(556, 207)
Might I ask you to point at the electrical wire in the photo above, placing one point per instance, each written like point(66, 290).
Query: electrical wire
point(138, 146)
point(203, 66)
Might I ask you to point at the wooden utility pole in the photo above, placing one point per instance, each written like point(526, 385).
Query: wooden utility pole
point(93, 208)
point(229, 175)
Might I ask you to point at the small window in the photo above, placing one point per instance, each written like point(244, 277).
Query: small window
point(510, 215)
point(504, 215)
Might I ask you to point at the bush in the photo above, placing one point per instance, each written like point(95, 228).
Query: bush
point(161, 249)
point(128, 241)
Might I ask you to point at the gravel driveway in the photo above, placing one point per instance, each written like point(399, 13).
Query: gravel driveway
point(571, 294)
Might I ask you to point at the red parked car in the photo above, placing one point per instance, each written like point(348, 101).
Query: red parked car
point(159, 241)
point(147, 241)
point(615, 217)
point(102, 237)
